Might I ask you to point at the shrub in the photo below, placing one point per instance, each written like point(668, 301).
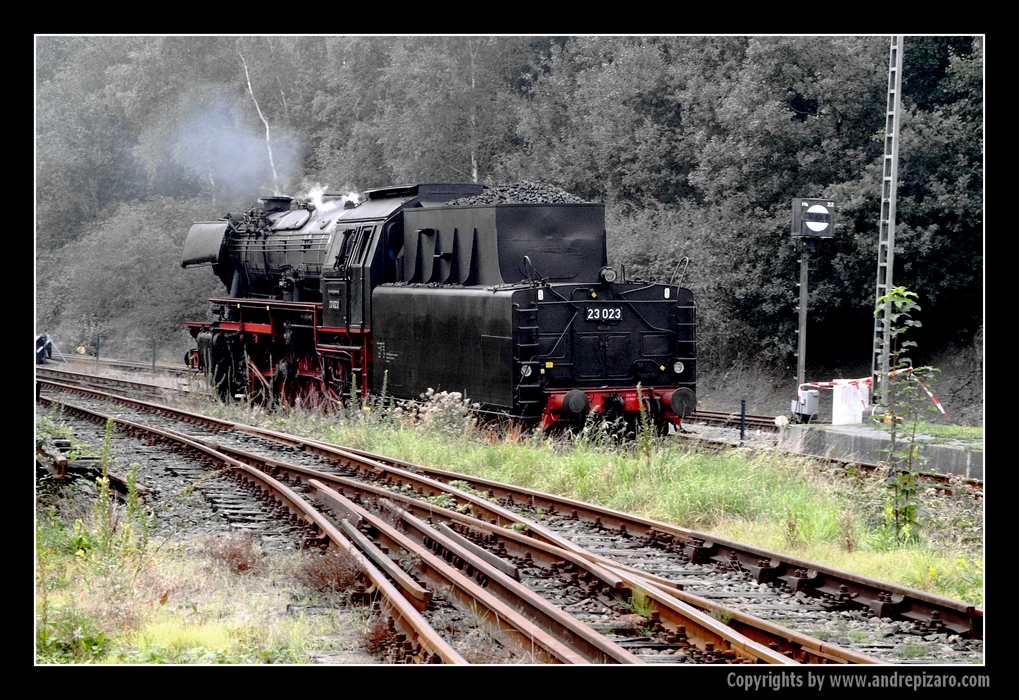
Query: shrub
point(333, 571)
point(378, 634)
point(448, 413)
point(238, 550)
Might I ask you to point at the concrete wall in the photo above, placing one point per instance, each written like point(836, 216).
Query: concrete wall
point(865, 444)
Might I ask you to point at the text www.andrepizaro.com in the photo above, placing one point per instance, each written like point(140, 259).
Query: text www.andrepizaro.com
point(780, 680)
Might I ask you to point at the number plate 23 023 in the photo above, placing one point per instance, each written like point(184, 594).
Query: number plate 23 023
point(603, 313)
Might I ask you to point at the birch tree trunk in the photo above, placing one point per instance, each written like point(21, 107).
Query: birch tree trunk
point(268, 137)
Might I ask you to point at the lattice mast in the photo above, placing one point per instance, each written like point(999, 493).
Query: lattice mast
point(886, 232)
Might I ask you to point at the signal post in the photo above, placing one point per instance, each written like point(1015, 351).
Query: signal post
point(813, 219)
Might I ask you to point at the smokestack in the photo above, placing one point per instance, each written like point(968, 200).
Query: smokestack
point(275, 203)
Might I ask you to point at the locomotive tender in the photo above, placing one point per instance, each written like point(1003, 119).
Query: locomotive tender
point(512, 304)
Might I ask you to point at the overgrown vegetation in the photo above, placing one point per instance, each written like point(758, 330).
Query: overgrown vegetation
point(108, 593)
point(970, 437)
point(774, 501)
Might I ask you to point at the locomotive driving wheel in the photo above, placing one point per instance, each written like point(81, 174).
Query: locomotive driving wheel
point(335, 380)
point(656, 412)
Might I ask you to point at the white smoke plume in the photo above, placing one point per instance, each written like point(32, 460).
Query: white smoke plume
point(325, 201)
point(225, 154)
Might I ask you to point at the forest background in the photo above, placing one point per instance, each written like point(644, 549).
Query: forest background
point(697, 145)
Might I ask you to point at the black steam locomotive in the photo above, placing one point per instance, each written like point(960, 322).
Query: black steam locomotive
point(512, 304)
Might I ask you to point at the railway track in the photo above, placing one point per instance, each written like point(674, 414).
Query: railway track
point(733, 420)
point(179, 384)
point(542, 631)
point(82, 362)
point(610, 559)
point(761, 583)
point(189, 382)
point(193, 386)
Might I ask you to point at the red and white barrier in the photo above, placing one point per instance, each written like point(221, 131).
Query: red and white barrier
point(851, 396)
point(933, 398)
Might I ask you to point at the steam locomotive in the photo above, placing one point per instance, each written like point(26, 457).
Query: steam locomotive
point(511, 304)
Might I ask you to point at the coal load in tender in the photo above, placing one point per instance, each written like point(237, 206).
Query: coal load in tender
point(523, 192)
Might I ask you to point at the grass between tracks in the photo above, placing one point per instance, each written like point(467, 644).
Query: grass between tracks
point(777, 502)
point(106, 594)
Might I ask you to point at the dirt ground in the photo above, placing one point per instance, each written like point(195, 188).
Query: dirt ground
point(959, 387)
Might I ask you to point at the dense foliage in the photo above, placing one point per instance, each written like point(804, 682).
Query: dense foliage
point(697, 145)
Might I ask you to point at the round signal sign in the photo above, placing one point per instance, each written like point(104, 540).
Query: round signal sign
point(817, 218)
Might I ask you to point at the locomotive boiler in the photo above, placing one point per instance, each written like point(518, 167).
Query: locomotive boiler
point(429, 286)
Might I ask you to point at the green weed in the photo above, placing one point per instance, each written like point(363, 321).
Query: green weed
point(66, 635)
point(639, 602)
point(912, 650)
point(722, 616)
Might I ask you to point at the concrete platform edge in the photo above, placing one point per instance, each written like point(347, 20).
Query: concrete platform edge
point(865, 444)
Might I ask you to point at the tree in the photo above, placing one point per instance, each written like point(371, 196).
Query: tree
point(84, 162)
point(792, 121)
point(200, 107)
point(346, 150)
point(444, 114)
point(939, 227)
point(608, 119)
point(940, 202)
point(900, 393)
point(123, 280)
